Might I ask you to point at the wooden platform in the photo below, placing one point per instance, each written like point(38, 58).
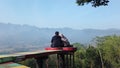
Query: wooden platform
point(12, 57)
point(40, 56)
point(12, 65)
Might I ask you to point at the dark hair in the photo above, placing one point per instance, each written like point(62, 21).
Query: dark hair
point(56, 33)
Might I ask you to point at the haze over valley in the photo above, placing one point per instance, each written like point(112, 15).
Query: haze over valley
point(18, 38)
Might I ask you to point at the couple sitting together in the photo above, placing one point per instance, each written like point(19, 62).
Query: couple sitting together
point(59, 40)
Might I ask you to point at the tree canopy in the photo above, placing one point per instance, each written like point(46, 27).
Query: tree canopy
point(104, 53)
point(95, 3)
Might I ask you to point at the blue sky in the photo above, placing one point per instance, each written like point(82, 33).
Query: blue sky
point(60, 14)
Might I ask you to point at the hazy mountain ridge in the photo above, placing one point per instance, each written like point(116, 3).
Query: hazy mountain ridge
point(12, 34)
point(24, 35)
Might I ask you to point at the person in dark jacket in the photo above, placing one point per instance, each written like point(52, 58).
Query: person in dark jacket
point(56, 40)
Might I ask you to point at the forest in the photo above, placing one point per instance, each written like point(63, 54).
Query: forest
point(104, 52)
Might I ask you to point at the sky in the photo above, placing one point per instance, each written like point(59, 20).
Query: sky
point(60, 14)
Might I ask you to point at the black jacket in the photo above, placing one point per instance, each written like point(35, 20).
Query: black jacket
point(56, 41)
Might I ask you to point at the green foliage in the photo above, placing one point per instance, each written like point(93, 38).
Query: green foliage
point(78, 45)
point(87, 58)
point(29, 62)
point(95, 3)
point(110, 49)
point(93, 57)
point(80, 58)
point(104, 54)
point(52, 61)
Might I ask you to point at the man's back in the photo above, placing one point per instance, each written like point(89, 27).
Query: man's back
point(56, 41)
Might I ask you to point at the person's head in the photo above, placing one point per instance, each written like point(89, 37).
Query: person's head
point(56, 33)
point(61, 35)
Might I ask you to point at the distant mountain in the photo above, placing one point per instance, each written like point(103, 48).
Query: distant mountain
point(25, 35)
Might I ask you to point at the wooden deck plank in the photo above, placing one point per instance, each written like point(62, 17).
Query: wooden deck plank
point(28, 53)
point(12, 65)
point(11, 57)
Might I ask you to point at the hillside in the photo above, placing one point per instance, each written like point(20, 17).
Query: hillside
point(25, 37)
